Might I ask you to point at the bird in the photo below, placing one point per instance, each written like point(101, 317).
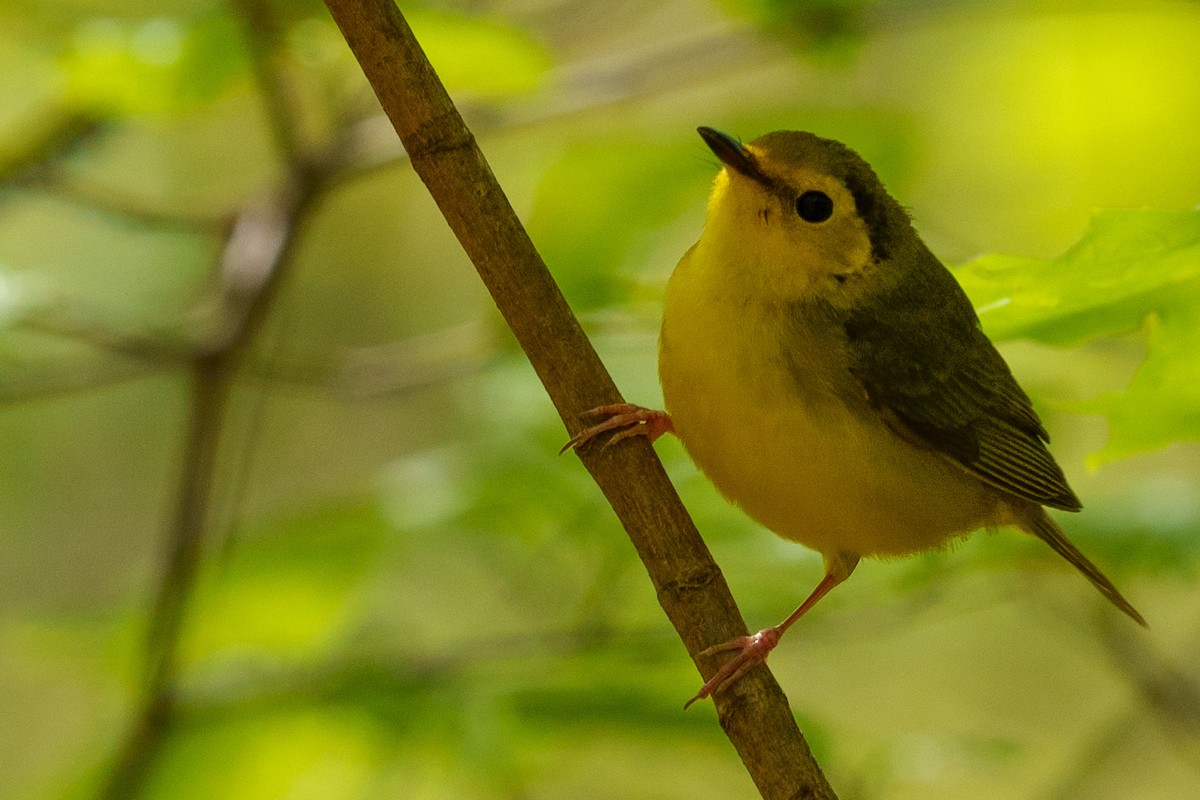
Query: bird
point(830, 377)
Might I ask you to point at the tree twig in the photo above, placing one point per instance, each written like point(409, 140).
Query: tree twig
point(690, 587)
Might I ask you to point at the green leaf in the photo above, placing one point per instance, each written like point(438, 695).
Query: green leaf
point(1132, 269)
point(1162, 403)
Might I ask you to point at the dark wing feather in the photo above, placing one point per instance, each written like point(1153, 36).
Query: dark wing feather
point(937, 380)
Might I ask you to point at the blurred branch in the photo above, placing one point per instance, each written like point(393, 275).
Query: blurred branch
point(148, 349)
point(61, 133)
point(263, 31)
point(119, 356)
point(252, 267)
point(1166, 688)
point(109, 202)
point(38, 166)
point(407, 673)
point(355, 374)
point(690, 587)
point(1165, 691)
point(63, 382)
point(397, 367)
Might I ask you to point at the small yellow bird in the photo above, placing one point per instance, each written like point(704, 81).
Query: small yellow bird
point(830, 377)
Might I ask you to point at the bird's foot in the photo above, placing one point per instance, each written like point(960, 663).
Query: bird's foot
point(627, 420)
point(753, 650)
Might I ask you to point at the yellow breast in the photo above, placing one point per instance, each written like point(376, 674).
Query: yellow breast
point(763, 403)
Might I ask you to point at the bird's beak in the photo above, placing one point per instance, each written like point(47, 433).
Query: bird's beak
point(733, 154)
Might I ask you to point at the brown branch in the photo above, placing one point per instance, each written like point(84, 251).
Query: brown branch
point(690, 587)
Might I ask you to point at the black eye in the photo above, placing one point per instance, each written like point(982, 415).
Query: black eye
point(814, 206)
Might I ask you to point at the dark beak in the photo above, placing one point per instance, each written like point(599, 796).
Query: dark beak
point(732, 154)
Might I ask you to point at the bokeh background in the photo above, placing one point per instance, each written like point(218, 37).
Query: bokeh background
point(242, 357)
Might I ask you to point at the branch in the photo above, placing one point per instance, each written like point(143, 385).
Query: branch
point(690, 587)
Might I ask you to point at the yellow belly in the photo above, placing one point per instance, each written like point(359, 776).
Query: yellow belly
point(774, 432)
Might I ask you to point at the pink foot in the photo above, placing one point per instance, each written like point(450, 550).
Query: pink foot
point(753, 651)
point(627, 420)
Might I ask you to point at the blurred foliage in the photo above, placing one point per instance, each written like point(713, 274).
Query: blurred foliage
point(309, 566)
point(160, 65)
point(459, 45)
point(820, 27)
point(600, 204)
point(404, 592)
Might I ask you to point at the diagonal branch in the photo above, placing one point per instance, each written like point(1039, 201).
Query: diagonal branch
point(690, 587)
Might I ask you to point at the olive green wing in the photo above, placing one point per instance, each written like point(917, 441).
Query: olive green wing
point(935, 378)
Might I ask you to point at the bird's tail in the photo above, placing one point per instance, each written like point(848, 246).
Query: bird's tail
point(1046, 529)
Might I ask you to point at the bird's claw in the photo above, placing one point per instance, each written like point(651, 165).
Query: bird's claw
point(753, 650)
point(624, 418)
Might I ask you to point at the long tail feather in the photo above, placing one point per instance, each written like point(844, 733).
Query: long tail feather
point(1046, 529)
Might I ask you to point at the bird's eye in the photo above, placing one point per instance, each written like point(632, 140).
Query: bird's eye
point(814, 206)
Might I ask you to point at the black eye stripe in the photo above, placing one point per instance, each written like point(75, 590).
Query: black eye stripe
point(814, 206)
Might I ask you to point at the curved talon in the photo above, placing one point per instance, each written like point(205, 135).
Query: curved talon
point(627, 420)
point(756, 648)
point(754, 651)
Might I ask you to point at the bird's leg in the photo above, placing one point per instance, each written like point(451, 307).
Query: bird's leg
point(755, 649)
point(627, 420)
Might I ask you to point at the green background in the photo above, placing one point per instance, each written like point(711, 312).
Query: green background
point(404, 592)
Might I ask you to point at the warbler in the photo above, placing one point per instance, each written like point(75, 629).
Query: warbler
point(830, 377)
